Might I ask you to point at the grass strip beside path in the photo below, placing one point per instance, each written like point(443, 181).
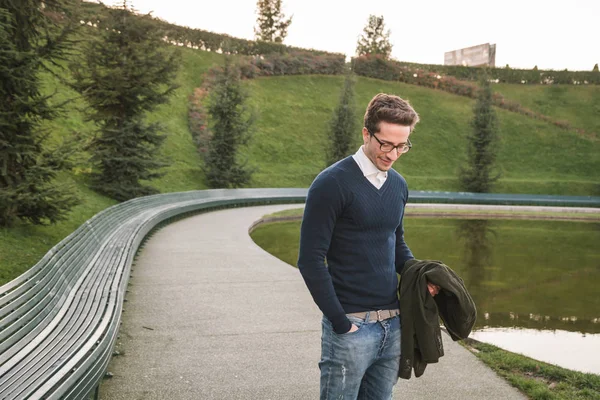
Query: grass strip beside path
point(538, 380)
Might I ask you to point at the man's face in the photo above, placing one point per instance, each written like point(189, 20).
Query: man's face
point(388, 133)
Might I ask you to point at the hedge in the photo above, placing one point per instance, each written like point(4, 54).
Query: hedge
point(509, 75)
point(198, 118)
point(292, 64)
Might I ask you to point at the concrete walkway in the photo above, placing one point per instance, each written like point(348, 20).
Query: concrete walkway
point(210, 315)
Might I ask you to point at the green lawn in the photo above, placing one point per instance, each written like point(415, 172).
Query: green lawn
point(535, 157)
point(580, 105)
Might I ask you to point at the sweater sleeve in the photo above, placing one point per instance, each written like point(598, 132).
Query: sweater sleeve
point(403, 253)
point(324, 205)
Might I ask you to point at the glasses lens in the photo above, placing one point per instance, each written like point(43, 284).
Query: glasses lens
point(387, 147)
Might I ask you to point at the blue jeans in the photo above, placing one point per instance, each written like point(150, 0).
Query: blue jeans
point(362, 364)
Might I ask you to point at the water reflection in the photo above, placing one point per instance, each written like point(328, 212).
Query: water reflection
point(476, 235)
point(534, 282)
point(540, 322)
point(530, 274)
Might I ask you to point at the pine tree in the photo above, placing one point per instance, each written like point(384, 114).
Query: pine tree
point(595, 69)
point(33, 35)
point(231, 122)
point(478, 175)
point(373, 39)
point(126, 72)
point(343, 124)
point(271, 23)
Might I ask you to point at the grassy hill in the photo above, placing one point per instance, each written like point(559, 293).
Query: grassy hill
point(580, 105)
point(535, 157)
point(288, 147)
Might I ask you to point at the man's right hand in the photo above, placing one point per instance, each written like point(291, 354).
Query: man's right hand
point(433, 288)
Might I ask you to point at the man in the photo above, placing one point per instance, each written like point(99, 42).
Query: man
point(351, 247)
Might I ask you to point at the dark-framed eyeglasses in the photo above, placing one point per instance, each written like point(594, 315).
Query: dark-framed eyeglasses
point(388, 147)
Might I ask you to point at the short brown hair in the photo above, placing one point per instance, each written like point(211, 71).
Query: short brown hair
point(391, 109)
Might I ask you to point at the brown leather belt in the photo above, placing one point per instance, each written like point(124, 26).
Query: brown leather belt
point(379, 315)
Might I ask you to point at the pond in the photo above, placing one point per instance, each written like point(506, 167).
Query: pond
point(535, 282)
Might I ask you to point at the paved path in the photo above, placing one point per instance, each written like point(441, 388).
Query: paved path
point(210, 315)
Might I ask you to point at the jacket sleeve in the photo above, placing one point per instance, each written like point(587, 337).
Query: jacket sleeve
point(403, 253)
point(324, 205)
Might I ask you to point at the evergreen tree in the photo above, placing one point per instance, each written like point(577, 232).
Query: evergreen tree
point(33, 34)
point(126, 72)
point(271, 23)
point(478, 174)
point(373, 39)
point(343, 124)
point(595, 69)
point(231, 123)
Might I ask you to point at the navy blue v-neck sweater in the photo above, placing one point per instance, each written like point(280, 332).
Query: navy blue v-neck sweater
point(352, 242)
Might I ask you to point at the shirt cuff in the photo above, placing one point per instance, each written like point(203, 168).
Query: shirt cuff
point(341, 324)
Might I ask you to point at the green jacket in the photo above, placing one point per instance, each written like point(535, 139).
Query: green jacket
point(421, 339)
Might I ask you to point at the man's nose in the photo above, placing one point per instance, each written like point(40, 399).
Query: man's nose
point(393, 155)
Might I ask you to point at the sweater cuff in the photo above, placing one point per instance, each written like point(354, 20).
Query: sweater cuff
point(341, 324)
point(407, 264)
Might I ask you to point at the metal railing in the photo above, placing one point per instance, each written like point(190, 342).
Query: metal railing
point(60, 319)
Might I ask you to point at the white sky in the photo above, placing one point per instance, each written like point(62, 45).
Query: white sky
point(552, 34)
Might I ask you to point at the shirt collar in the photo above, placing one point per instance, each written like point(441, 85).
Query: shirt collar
point(366, 166)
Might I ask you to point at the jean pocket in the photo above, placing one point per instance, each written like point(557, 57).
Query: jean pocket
point(354, 321)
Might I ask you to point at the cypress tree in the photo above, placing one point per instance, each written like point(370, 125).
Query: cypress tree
point(343, 124)
point(33, 35)
point(271, 25)
point(373, 39)
point(478, 174)
point(126, 72)
point(231, 123)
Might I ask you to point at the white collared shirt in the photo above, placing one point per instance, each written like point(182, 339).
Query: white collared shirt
point(369, 170)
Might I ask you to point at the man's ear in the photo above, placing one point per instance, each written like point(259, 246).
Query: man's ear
point(365, 133)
